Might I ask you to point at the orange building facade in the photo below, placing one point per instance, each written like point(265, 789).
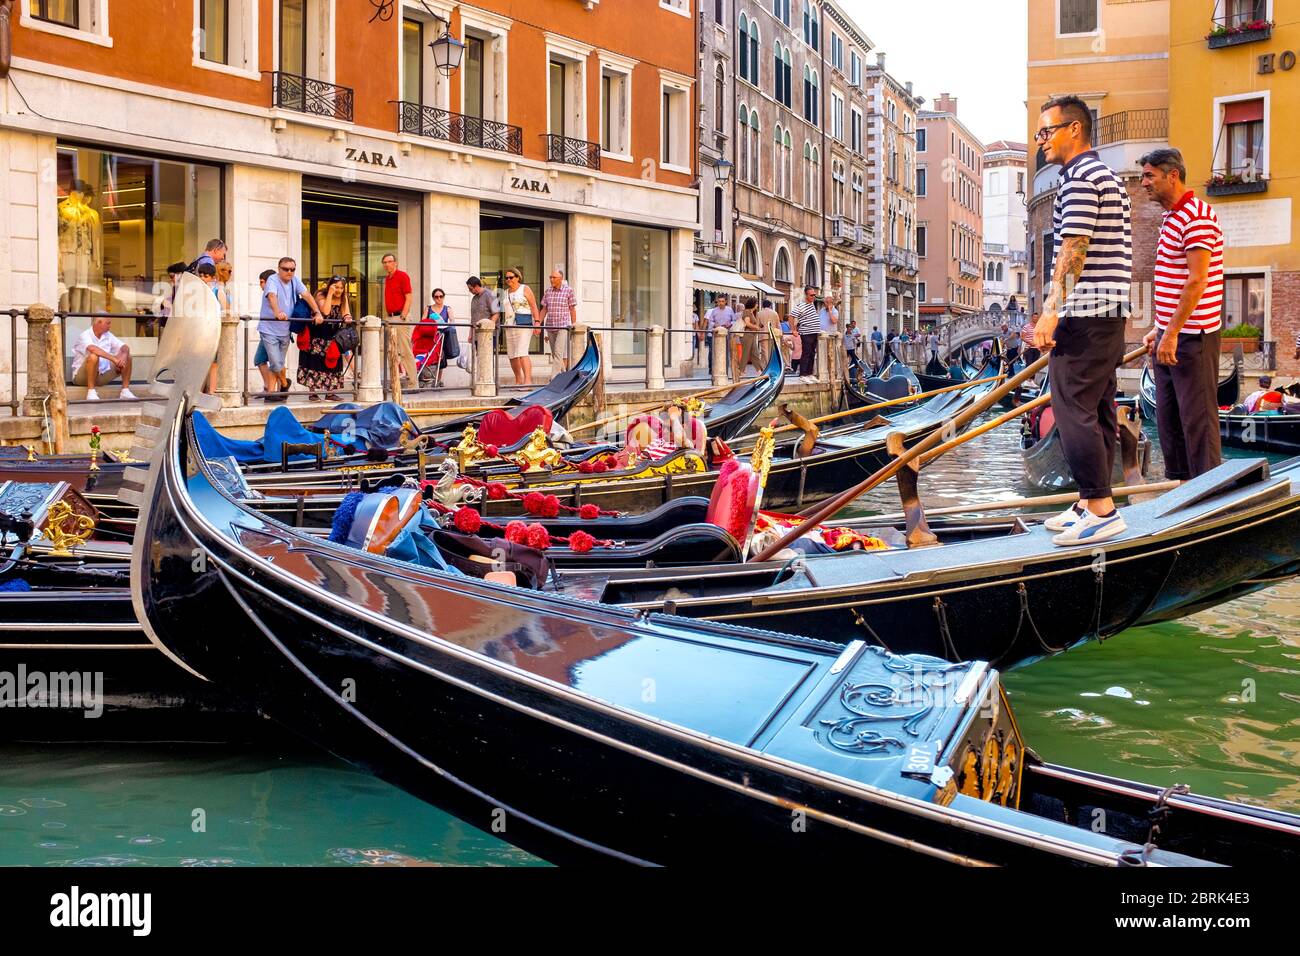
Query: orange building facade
point(322, 130)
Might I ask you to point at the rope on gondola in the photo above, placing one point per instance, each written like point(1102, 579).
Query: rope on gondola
point(1099, 595)
point(862, 622)
point(941, 612)
point(1025, 615)
point(1159, 816)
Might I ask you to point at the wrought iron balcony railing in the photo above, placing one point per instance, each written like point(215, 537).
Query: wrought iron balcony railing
point(307, 95)
point(572, 152)
point(1131, 125)
point(458, 128)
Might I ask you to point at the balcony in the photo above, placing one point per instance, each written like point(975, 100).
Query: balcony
point(1235, 29)
point(572, 152)
point(315, 97)
point(850, 233)
point(1236, 181)
point(899, 258)
point(711, 250)
point(1019, 257)
point(995, 248)
point(459, 129)
point(969, 269)
point(1150, 125)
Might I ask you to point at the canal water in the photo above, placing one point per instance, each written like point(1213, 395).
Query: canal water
point(1212, 700)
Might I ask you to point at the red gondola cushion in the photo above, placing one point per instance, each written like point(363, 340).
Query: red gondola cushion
point(731, 506)
point(1046, 422)
point(499, 427)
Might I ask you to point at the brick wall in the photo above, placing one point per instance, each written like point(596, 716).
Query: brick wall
point(1147, 217)
point(1285, 320)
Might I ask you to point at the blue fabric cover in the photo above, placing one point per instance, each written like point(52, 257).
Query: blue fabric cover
point(412, 543)
point(281, 427)
point(374, 427)
point(17, 584)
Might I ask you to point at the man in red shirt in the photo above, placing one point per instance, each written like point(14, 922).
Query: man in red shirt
point(1189, 306)
point(398, 296)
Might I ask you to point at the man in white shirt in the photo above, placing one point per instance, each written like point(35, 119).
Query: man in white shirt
point(98, 357)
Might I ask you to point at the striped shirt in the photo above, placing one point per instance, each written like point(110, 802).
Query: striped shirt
point(558, 303)
point(808, 318)
point(1191, 224)
point(1092, 202)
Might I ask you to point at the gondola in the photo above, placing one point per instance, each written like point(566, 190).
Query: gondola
point(1276, 432)
point(1226, 396)
point(585, 733)
point(1045, 466)
point(894, 381)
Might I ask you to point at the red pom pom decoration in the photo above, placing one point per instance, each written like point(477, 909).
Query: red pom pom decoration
point(467, 521)
point(585, 467)
point(580, 542)
point(517, 532)
point(588, 513)
point(599, 467)
point(550, 506)
point(534, 502)
point(538, 537)
point(490, 451)
point(497, 491)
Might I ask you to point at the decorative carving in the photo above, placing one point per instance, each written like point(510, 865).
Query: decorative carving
point(66, 530)
point(467, 450)
point(537, 455)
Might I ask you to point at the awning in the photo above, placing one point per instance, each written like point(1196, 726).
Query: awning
point(717, 279)
point(766, 289)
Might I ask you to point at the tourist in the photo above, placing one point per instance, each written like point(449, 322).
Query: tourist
point(281, 296)
point(888, 354)
point(750, 327)
point(719, 317)
point(1032, 354)
point(213, 254)
point(431, 338)
point(167, 301)
point(1263, 399)
point(212, 277)
point(851, 337)
point(520, 329)
point(1010, 344)
point(559, 314)
point(904, 344)
point(1089, 291)
point(807, 323)
point(1188, 298)
point(932, 344)
point(769, 323)
point(697, 332)
point(320, 363)
point(483, 307)
point(269, 383)
point(877, 346)
point(790, 344)
point(829, 315)
point(398, 298)
point(98, 357)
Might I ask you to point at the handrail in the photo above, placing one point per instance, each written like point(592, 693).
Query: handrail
point(459, 128)
point(306, 94)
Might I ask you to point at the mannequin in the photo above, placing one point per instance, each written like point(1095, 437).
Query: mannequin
point(80, 247)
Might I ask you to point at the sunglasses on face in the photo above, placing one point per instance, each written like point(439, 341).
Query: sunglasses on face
point(437, 295)
point(288, 268)
point(1045, 133)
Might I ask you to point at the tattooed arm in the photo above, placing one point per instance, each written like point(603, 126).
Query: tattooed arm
point(1069, 266)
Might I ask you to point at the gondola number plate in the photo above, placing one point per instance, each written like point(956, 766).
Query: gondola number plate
point(920, 759)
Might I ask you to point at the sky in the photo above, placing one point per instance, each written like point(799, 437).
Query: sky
point(977, 50)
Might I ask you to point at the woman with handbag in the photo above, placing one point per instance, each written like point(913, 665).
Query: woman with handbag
point(320, 362)
point(522, 328)
point(431, 341)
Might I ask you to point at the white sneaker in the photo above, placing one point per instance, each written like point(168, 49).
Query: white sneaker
point(1065, 519)
point(92, 395)
point(126, 393)
point(1091, 528)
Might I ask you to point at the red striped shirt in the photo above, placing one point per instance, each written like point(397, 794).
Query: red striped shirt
point(1191, 224)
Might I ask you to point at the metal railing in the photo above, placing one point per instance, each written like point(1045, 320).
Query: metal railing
point(718, 250)
point(572, 152)
point(459, 128)
point(307, 95)
point(1131, 125)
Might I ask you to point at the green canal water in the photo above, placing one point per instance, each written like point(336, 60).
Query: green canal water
point(1212, 700)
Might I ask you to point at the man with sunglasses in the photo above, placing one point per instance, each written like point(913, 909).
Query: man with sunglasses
point(279, 296)
point(1083, 318)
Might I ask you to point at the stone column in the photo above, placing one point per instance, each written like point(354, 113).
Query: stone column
point(371, 389)
point(720, 367)
point(577, 344)
point(229, 366)
point(825, 342)
point(41, 377)
point(654, 358)
point(485, 357)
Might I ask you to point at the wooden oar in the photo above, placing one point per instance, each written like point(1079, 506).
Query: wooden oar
point(1045, 501)
point(986, 427)
point(892, 402)
point(666, 402)
point(929, 443)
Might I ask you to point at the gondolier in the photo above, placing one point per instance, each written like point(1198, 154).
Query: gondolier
point(1188, 312)
point(1083, 315)
point(808, 326)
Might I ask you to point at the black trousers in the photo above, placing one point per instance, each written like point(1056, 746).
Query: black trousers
point(808, 358)
point(1082, 375)
point(1187, 409)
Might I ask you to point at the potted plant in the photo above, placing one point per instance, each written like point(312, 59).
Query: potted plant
point(1224, 35)
point(1228, 184)
point(1247, 336)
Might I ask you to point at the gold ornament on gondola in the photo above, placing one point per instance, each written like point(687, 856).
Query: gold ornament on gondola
point(970, 784)
point(989, 768)
point(31, 452)
point(467, 450)
point(762, 456)
point(1007, 774)
point(537, 455)
point(66, 530)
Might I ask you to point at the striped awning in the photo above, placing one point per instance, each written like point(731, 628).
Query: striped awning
point(713, 278)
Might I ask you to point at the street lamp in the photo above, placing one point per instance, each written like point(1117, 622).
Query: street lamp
point(447, 51)
point(722, 170)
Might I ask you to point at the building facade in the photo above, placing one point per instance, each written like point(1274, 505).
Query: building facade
point(322, 130)
point(893, 181)
point(951, 213)
point(715, 130)
point(1234, 92)
point(1006, 270)
point(1116, 57)
point(850, 231)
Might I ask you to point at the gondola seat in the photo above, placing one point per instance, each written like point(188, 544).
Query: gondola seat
point(887, 389)
point(498, 427)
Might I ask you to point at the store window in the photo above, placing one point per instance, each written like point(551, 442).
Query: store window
point(639, 286)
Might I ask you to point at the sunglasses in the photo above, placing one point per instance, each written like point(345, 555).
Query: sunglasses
point(1045, 133)
point(288, 268)
point(437, 295)
point(511, 275)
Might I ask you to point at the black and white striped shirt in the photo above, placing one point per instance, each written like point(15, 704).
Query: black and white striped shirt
point(1092, 202)
point(808, 317)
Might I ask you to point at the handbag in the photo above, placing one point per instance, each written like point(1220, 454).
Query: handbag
point(524, 318)
point(450, 344)
point(301, 310)
point(347, 339)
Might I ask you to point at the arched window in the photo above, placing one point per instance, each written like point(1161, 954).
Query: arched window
point(742, 147)
point(754, 145)
point(749, 258)
point(719, 99)
point(811, 274)
point(787, 83)
point(717, 212)
point(778, 72)
point(813, 103)
point(815, 198)
point(753, 52)
point(807, 23)
point(807, 173)
point(744, 47)
point(1001, 274)
point(788, 158)
point(778, 163)
point(837, 188)
point(781, 10)
point(988, 272)
point(781, 270)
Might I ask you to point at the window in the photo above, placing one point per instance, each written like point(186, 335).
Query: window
point(742, 143)
point(566, 79)
point(557, 101)
point(1241, 149)
point(225, 37)
point(837, 116)
point(812, 275)
point(1244, 301)
point(837, 51)
point(782, 80)
point(128, 217)
point(922, 240)
point(753, 52)
point(920, 180)
point(812, 185)
point(920, 140)
point(1240, 12)
point(811, 26)
point(1020, 183)
point(677, 6)
point(855, 68)
point(472, 80)
point(920, 291)
point(412, 61)
point(754, 146)
point(718, 198)
point(778, 163)
point(855, 130)
point(483, 76)
point(214, 30)
point(615, 105)
point(1077, 16)
point(65, 13)
point(718, 11)
point(742, 34)
point(639, 284)
point(811, 96)
point(674, 135)
point(788, 84)
point(857, 196)
point(837, 188)
point(781, 10)
point(749, 258)
point(781, 269)
point(719, 99)
point(293, 37)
